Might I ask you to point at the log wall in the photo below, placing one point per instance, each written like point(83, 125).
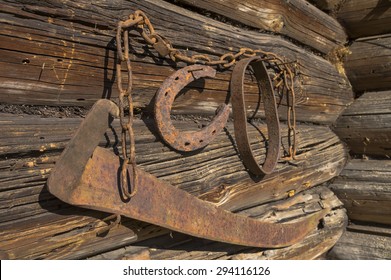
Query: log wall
point(363, 18)
point(67, 58)
point(364, 186)
point(30, 216)
point(62, 53)
point(363, 243)
point(369, 74)
point(365, 125)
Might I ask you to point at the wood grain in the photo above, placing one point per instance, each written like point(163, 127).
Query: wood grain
point(363, 18)
point(368, 66)
point(296, 19)
point(363, 243)
point(365, 125)
point(364, 186)
point(327, 5)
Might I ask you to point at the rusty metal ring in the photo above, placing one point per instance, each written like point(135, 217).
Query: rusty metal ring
point(240, 118)
point(188, 140)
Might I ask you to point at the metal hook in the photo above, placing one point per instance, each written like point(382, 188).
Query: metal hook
point(110, 225)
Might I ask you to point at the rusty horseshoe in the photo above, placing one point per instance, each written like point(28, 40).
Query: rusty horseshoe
point(185, 140)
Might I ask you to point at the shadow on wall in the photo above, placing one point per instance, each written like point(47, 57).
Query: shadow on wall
point(382, 7)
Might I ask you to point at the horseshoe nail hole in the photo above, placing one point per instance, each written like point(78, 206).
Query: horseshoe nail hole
point(187, 143)
point(176, 78)
point(201, 141)
point(80, 99)
point(59, 59)
point(166, 93)
point(26, 61)
point(214, 131)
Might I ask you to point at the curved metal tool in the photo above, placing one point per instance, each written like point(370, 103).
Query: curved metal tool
point(185, 140)
point(87, 176)
point(240, 118)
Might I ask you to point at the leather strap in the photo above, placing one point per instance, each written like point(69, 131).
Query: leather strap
point(240, 117)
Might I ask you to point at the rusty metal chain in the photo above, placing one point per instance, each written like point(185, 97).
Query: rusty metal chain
point(125, 95)
point(291, 117)
point(283, 81)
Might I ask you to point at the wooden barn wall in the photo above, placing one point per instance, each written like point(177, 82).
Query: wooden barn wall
point(56, 53)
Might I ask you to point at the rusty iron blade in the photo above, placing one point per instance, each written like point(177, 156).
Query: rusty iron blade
point(70, 167)
point(88, 176)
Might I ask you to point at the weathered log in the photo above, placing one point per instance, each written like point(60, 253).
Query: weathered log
point(368, 66)
point(364, 186)
point(34, 224)
point(365, 125)
point(363, 18)
point(63, 53)
point(327, 5)
point(179, 246)
point(363, 243)
point(296, 19)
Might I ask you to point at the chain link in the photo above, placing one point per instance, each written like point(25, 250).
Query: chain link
point(283, 82)
point(125, 95)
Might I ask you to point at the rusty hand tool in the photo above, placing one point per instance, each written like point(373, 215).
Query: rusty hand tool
point(240, 119)
point(88, 176)
point(189, 140)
